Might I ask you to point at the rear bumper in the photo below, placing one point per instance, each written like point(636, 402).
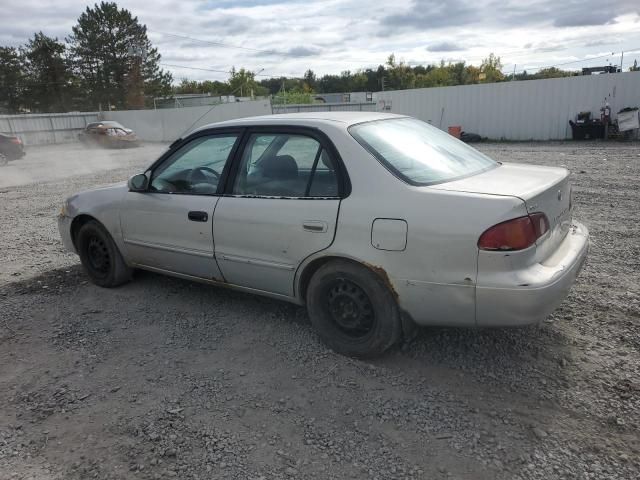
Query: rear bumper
point(64, 226)
point(501, 303)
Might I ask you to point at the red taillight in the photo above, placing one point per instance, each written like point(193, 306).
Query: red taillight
point(516, 234)
point(540, 223)
point(16, 140)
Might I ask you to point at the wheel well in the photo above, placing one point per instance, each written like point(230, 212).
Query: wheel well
point(77, 223)
point(313, 267)
point(409, 327)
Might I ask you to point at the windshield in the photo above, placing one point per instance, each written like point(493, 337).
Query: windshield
point(419, 153)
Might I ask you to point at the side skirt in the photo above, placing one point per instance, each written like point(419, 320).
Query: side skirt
point(218, 283)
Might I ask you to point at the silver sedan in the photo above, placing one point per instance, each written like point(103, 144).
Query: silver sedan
point(375, 222)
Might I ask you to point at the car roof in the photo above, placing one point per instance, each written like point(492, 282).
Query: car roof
point(345, 119)
point(106, 123)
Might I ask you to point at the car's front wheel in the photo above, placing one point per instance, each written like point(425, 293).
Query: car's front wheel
point(100, 256)
point(352, 309)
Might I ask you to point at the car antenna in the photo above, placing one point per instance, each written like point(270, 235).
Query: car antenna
point(212, 107)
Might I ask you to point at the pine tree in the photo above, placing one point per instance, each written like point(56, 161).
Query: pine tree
point(11, 76)
point(48, 84)
point(114, 60)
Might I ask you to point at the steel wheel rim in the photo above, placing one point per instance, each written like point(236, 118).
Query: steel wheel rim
point(98, 255)
point(350, 309)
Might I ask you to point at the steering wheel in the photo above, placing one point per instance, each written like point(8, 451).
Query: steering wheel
point(203, 178)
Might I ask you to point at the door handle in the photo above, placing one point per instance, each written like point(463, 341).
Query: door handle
point(315, 226)
point(195, 216)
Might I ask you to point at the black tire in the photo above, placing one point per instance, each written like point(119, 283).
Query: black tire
point(100, 256)
point(352, 309)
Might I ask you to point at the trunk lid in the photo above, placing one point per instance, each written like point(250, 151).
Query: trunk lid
point(542, 189)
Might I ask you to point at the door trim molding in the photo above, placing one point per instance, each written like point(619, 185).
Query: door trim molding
point(170, 248)
point(255, 261)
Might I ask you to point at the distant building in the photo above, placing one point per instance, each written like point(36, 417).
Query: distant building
point(192, 100)
point(604, 69)
point(350, 97)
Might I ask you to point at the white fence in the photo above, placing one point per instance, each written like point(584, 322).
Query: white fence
point(168, 124)
point(40, 129)
point(522, 110)
point(163, 125)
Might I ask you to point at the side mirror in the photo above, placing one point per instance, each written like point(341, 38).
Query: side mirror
point(138, 183)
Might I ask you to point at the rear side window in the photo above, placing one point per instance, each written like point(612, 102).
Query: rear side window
point(418, 153)
point(285, 165)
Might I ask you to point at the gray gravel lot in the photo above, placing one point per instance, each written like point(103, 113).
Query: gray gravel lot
point(163, 378)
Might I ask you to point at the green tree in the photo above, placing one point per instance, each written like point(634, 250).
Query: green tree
point(114, 59)
point(399, 76)
point(293, 97)
point(334, 83)
point(491, 68)
point(458, 73)
point(11, 76)
point(243, 84)
point(552, 72)
point(309, 81)
point(49, 82)
point(212, 87)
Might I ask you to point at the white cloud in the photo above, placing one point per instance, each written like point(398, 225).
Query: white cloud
point(330, 36)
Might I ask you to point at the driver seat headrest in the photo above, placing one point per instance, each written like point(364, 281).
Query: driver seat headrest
point(281, 167)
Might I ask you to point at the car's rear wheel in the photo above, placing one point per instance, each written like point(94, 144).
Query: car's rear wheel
point(100, 256)
point(352, 309)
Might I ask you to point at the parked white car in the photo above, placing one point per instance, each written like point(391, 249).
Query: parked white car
point(376, 222)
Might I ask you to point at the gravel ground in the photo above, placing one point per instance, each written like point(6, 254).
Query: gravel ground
point(163, 378)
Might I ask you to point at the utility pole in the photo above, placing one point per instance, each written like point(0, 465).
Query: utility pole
point(253, 78)
point(513, 77)
point(621, 59)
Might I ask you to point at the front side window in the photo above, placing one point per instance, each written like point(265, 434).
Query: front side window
point(285, 165)
point(195, 167)
point(419, 153)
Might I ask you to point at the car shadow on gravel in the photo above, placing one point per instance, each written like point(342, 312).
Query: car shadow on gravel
point(518, 359)
point(159, 344)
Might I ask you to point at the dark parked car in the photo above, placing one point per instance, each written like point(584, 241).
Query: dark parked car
point(108, 134)
point(11, 148)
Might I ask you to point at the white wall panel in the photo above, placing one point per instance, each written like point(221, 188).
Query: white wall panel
point(168, 124)
point(523, 110)
point(41, 129)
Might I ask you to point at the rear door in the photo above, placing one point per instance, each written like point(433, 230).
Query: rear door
point(169, 227)
point(281, 206)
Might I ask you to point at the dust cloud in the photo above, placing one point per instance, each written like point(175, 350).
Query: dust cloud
point(45, 163)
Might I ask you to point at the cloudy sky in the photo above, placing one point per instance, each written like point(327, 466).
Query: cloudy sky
point(285, 37)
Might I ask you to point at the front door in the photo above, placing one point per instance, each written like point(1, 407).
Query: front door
point(169, 227)
point(282, 207)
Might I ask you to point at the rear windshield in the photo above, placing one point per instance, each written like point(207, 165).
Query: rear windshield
point(418, 153)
